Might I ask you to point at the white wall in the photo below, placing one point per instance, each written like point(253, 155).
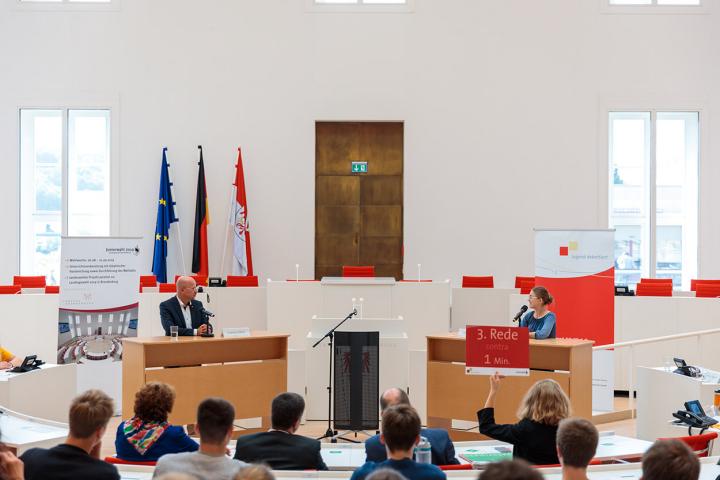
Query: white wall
point(502, 101)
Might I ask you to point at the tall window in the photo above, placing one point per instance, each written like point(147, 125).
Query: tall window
point(654, 195)
point(65, 183)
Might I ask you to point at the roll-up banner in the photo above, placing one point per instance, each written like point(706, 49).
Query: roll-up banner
point(578, 269)
point(99, 295)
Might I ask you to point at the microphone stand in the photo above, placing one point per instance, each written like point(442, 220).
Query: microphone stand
point(330, 433)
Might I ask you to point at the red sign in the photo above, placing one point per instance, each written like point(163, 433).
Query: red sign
point(505, 350)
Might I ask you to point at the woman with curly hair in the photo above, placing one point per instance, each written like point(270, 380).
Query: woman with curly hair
point(148, 436)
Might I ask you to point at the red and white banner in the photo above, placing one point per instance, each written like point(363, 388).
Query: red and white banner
point(242, 254)
point(505, 350)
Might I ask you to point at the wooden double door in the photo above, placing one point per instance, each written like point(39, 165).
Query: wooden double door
point(359, 216)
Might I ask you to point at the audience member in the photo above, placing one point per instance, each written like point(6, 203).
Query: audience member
point(11, 467)
point(280, 447)
point(385, 474)
point(148, 436)
point(255, 472)
point(79, 457)
point(400, 434)
point(176, 476)
point(215, 418)
point(510, 470)
point(577, 441)
point(670, 460)
point(442, 448)
point(533, 437)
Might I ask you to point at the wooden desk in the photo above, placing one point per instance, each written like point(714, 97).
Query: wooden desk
point(451, 394)
point(246, 371)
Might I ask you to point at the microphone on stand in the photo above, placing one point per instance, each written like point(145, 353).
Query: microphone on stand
point(523, 309)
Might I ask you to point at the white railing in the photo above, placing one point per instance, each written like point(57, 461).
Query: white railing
point(633, 343)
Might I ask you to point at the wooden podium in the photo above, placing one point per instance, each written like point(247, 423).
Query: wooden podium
point(246, 371)
point(451, 394)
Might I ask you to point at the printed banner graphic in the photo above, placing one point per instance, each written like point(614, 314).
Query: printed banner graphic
point(98, 298)
point(505, 350)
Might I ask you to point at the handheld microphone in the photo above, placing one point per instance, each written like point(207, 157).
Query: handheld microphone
point(523, 309)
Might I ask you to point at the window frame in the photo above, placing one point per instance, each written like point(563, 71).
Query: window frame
point(605, 175)
point(110, 103)
point(654, 9)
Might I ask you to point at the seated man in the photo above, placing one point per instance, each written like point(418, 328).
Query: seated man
point(279, 447)
point(79, 456)
point(400, 434)
point(215, 418)
point(442, 448)
point(577, 441)
point(670, 460)
point(183, 311)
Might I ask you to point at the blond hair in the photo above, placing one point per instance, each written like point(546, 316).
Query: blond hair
point(89, 411)
point(545, 402)
point(255, 471)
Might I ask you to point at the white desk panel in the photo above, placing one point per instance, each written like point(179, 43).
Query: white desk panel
point(481, 306)
point(290, 307)
point(425, 306)
point(24, 432)
point(27, 393)
point(29, 325)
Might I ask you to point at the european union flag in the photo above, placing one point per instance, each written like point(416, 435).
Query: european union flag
point(165, 216)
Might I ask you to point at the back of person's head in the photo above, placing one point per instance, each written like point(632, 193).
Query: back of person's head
point(393, 396)
point(215, 418)
point(400, 427)
point(510, 470)
point(545, 402)
point(176, 476)
point(89, 412)
point(286, 410)
point(255, 471)
point(670, 460)
point(577, 441)
point(154, 401)
point(385, 474)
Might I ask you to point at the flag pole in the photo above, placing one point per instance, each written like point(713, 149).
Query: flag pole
point(179, 235)
point(227, 230)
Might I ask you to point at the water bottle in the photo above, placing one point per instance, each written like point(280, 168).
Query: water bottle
point(423, 454)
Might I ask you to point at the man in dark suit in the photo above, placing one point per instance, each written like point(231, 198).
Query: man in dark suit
point(183, 311)
point(279, 447)
point(442, 448)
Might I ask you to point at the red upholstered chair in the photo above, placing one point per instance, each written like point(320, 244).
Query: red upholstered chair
point(199, 279)
point(147, 281)
point(120, 461)
point(240, 281)
point(526, 286)
point(37, 281)
point(52, 288)
point(462, 466)
point(653, 290)
point(661, 281)
point(694, 282)
point(477, 282)
point(10, 289)
point(700, 444)
point(167, 288)
point(519, 281)
point(707, 290)
point(360, 271)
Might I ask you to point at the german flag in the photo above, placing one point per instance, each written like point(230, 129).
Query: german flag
point(202, 220)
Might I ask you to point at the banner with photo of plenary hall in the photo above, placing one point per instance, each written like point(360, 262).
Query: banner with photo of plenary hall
point(99, 297)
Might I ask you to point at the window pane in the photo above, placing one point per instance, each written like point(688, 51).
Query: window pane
point(677, 196)
point(41, 133)
point(629, 136)
point(88, 172)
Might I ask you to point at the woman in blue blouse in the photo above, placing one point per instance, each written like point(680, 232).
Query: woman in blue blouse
point(148, 436)
point(540, 321)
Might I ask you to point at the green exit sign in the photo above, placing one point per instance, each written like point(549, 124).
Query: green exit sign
point(359, 167)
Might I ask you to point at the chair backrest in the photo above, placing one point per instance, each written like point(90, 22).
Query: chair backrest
point(120, 461)
point(358, 271)
point(526, 286)
point(10, 289)
point(707, 290)
point(653, 290)
point(52, 288)
point(35, 281)
point(519, 281)
point(148, 281)
point(199, 279)
point(694, 282)
point(242, 281)
point(700, 444)
point(462, 466)
point(661, 281)
point(167, 288)
point(469, 281)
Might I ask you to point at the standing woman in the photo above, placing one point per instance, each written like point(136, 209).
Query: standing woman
point(540, 412)
point(540, 321)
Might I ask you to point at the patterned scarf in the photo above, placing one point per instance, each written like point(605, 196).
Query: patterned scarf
point(143, 435)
